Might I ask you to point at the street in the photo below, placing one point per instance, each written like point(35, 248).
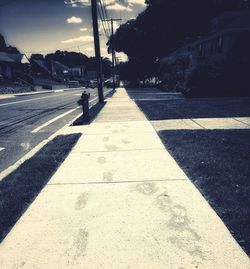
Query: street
point(25, 121)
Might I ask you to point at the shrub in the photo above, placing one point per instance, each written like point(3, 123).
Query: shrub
point(230, 77)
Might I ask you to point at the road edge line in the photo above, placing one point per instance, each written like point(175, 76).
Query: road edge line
point(32, 152)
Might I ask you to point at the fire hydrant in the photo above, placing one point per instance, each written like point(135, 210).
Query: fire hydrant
point(84, 102)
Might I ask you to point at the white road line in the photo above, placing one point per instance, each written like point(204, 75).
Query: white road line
point(2, 149)
point(29, 100)
point(31, 153)
point(36, 130)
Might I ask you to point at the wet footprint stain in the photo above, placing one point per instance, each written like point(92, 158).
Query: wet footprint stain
point(107, 177)
point(81, 201)
point(146, 188)
point(80, 243)
point(111, 147)
point(101, 160)
point(164, 202)
point(125, 141)
point(105, 139)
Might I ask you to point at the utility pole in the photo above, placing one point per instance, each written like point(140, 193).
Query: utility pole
point(113, 50)
point(97, 50)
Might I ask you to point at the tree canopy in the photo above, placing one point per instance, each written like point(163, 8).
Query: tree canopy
point(166, 25)
point(5, 48)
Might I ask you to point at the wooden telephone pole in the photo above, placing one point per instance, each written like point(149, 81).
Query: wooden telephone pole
point(97, 51)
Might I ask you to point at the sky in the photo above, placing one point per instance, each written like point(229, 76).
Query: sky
point(43, 26)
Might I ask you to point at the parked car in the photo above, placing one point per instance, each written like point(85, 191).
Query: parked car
point(92, 84)
point(73, 84)
point(108, 83)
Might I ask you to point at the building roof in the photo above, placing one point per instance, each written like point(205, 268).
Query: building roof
point(13, 58)
point(4, 57)
point(42, 64)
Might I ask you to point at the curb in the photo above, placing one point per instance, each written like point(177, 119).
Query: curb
point(49, 91)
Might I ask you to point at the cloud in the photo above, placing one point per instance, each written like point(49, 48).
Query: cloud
point(116, 25)
point(74, 20)
point(110, 2)
point(77, 3)
point(123, 5)
point(138, 2)
point(119, 7)
point(88, 49)
point(78, 39)
point(83, 29)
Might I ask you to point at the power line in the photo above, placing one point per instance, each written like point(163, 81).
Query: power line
point(73, 47)
point(104, 16)
point(106, 13)
point(101, 15)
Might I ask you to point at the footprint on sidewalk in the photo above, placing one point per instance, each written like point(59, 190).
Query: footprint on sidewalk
point(101, 160)
point(111, 147)
point(125, 141)
point(107, 177)
point(105, 139)
point(146, 188)
point(81, 202)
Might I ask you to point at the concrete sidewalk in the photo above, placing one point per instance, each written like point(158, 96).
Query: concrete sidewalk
point(120, 201)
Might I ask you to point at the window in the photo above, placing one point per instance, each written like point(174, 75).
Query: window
point(220, 45)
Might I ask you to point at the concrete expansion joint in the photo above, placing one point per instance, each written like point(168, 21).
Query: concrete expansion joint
point(241, 121)
point(117, 182)
point(195, 122)
point(119, 150)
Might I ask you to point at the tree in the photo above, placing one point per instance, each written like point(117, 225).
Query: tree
point(5, 48)
point(166, 25)
point(2, 43)
point(36, 57)
point(69, 59)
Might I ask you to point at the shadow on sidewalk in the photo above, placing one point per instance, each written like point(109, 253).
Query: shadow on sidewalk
point(158, 105)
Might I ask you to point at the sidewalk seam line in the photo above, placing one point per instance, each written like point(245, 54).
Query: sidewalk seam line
point(116, 182)
point(125, 150)
point(241, 121)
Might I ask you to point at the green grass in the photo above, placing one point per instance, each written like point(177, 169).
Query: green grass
point(20, 188)
point(217, 162)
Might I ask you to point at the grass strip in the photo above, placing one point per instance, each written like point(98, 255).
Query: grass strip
point(217, 162)
point(19, 189)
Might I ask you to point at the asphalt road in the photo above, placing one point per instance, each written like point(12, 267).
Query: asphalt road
point(25, 121)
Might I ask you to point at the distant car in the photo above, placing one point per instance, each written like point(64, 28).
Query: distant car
point(93, 84)
point(73, 84)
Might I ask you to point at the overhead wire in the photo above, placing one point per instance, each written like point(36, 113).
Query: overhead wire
point(72, 47)
point(104, 5)
point(104, 17)
point(101, 15)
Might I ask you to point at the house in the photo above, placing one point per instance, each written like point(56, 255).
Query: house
point(12, 65)
point(215, 46)
point(48, 69)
